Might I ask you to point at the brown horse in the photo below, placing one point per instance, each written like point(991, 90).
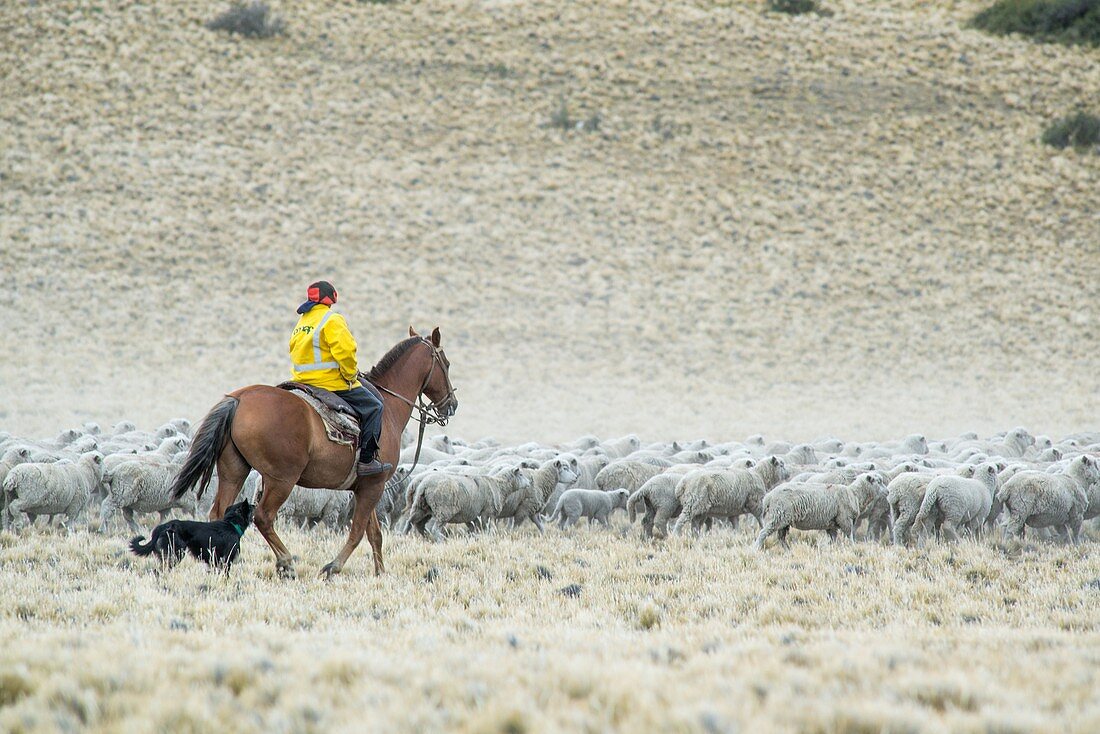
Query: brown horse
point(280, 436)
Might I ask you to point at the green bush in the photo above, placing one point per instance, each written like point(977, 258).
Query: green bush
point(1080, 130)
point(252, 20)
point(1064, 21)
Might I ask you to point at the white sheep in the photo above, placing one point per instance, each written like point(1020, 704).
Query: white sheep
point(594, 504)
point(1037, 499)
point(142, 486)
point(627, 474)
point(164, 453)
point(307, 506)
point(123, 427)
point(445, 497)
point(904, 495)
point(960, 500)
point(832, 507)
point(63, 487)
point(705, 493)
point(527, 504)
point(622, 447)
point(803, 453)
point(657, 499)
point(428, 455)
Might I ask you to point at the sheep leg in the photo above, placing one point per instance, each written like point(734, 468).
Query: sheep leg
point(647, 522)
point(1074, 527)
point(1014, 528)
point(107, 509)
point(569, 521)
point(128, 513)
point(434, 529)
point(535, 518)
point(602, 518)
point(848, 527)
point(903, 525)
point(950, 530)
point(763, 536)
point(16, 515)
point(782, 535)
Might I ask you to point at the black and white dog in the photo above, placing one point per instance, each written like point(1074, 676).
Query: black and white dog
point(218, 543)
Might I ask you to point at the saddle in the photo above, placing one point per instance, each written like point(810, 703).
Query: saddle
point(340, 419)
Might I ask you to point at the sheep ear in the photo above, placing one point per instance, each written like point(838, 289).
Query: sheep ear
point(775, 461)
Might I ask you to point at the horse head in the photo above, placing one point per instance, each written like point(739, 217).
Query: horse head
point(437, 385)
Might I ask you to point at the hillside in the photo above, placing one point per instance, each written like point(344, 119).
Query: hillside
point(799, 226)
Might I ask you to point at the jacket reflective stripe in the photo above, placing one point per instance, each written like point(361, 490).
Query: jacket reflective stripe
point(317, 363)
point(315, 366)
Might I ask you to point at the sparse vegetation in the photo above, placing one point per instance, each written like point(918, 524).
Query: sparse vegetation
point(797, 7)
point(649, 636)
point(251, 20)
point(562, 120)
point(1064, 21)
point(1080, 130)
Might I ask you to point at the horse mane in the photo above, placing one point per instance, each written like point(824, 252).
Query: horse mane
point(391, 357)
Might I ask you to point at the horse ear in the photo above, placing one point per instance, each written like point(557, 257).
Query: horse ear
point(412, 332)
point(435, 336)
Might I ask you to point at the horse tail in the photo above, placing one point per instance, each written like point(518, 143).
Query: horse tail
point(206, 448)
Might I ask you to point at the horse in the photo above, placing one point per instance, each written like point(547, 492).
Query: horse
point(276, 433)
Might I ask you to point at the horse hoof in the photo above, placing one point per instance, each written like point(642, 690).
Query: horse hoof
point(329, 570)
point(286, 571)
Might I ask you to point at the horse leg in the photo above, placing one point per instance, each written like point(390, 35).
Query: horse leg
point(367, 495)
point(275, 493)
point(232, 472)
point(374, 536)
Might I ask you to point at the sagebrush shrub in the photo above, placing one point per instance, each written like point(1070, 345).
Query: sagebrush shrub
point(1079, 130)
point(252, 20)
point(1065, 21)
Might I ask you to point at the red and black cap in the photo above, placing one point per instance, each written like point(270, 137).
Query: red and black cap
point(322, 292)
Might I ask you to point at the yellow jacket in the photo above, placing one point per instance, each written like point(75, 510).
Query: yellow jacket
point(322, 351)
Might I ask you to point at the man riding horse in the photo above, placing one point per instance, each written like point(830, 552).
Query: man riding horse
point(323, 354)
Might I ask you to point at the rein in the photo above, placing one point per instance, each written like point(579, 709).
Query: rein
point(426, 412)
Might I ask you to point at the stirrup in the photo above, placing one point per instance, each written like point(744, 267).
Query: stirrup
point(371, 468)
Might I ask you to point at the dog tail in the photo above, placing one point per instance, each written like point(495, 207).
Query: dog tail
point(206, 448)
point(142, 550)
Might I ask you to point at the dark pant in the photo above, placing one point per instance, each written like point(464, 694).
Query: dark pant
point(369, 409)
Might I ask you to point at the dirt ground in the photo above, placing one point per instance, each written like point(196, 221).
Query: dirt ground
point(803, 226)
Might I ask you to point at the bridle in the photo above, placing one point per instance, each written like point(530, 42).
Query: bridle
point(426, 412)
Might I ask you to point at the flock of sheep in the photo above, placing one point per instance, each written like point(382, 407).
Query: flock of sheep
point(895, 490)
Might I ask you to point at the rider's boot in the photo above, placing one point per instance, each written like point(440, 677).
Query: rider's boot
point(371, 468)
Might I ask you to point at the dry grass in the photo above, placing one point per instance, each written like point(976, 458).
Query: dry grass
point(471, 634)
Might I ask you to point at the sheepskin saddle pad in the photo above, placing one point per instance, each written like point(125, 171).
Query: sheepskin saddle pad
point(340, 419)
